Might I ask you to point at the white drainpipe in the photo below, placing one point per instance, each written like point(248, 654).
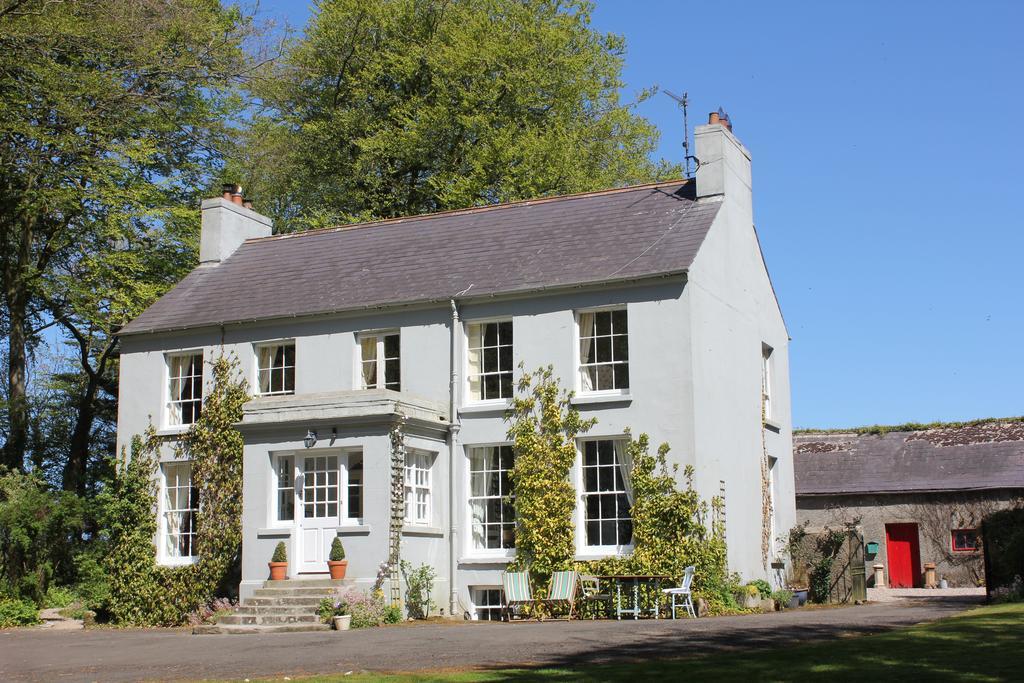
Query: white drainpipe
point(453, 439)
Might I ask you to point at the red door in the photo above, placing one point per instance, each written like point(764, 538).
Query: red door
point(904, 554)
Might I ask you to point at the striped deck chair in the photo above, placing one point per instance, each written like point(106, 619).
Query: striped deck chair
point(563, 590)
point(517, 592)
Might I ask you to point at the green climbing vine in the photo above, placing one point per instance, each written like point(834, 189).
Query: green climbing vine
point(143, 592)
point(543, 429)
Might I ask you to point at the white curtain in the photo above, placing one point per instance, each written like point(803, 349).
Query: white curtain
point(369, 352)
point(475, 360)
point(265, 360)
point(625, 468)
point(586, 342)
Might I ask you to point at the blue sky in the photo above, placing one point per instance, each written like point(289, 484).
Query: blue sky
point(886, 141)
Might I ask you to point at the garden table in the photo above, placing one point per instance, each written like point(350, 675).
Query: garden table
point(635, 581)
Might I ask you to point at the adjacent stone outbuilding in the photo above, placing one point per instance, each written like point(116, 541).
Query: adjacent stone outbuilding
point(918, 495)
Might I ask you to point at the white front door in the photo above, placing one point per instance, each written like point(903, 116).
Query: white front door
point(318, 509)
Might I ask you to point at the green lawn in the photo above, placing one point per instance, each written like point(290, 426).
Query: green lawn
point(984, 644)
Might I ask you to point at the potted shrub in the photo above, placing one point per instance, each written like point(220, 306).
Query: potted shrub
point(279, 563)
point(336, 563)
point(336, 613)
point(783, 599)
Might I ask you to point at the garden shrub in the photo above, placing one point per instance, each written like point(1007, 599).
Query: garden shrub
point(59, 596)
point(764, 589)
point(17, 612)
point(40, 530)
point(367, 609)
point(1003, 543)
point(419, 582)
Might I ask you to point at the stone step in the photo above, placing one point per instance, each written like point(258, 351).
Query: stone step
point(309, 583)
point(311, 601)
point(275, 609)
point(294, 592)
point(240, 629)
point(242, 618)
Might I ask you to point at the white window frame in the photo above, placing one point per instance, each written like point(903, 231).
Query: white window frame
point(773, 501)
point(582, 548)
point(417, 457)
point(578, 359)
point(473, 597)
point(380, 360)
point(164, 557)
point(767, 381)
point(466, 349)
point(169, 411)
point(470, 549)
point(257, 348)
point(345, 456)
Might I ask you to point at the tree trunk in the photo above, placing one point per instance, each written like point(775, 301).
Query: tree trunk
point(74, 478)
point(17, 398)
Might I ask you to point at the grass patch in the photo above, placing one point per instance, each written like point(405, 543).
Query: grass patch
point(984, 644)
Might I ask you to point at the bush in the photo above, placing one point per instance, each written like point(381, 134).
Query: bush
point(15, 612)
point(59, 596)
point(1003, 542)
point(280, 553)
point(211, 611)
point(392, 614)
point(764, 589)
point(782, 597)
point(419, 583)
point(367, 609)
point(337, 550)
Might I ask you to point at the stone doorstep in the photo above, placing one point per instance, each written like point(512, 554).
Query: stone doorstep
point(241, 618)
point(240, 629)
point(282, 592)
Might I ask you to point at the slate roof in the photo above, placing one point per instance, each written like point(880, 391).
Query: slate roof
point(623, 234)
point(978, 456)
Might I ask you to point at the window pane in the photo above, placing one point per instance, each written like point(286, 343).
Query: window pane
point(603, 322)
point(391, 345)
point(491, 334)
point(604, 349)
point(621, 376)
point(619, 322)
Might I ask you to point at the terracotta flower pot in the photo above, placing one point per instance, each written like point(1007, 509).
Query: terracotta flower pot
point(278, 571)
point(337, 569)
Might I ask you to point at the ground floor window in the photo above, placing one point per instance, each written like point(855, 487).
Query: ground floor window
point(418, 465)
point(490, 498)
point(180, 505)
point(965, 540)
point(606, 499)
point(486, 603)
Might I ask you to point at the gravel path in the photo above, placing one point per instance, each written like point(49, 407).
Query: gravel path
point(175, 654)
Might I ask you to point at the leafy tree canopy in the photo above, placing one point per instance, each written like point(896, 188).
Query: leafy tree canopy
point(386, 108)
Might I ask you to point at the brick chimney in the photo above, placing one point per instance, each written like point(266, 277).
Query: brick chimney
point(724, 162)
point(228, 221)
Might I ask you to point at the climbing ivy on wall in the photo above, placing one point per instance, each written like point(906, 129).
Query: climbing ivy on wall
point(142, 592)
point(671, 528)
point(543, 430)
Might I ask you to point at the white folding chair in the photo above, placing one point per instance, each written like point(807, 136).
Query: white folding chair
point(682, 593)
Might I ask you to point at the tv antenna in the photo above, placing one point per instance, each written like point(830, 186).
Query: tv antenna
point(683, 103)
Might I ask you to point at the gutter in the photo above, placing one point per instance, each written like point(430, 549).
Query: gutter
point(454, 426)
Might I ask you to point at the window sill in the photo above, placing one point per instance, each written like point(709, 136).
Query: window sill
point(484, 407)
point(584, 399)
point(274, 532)
point(424, 530)
point(178, 561)
point(487, 559)
point(601, 553)
point(354, 530)
point(176, 430)
point(772, 425)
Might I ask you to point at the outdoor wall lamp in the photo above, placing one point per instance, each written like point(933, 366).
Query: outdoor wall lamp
point(310, 439)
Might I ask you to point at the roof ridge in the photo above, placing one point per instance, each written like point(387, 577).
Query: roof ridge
point(475, 209)
point(907, 427)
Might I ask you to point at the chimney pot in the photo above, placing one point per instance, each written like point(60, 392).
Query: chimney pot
point(247, 204)
point(236, 195)
point(226, 190)
point(713, 118)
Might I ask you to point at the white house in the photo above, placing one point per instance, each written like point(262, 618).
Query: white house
point(652, 302)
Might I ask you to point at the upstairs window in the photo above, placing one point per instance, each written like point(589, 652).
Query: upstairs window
point(490, 360)
point(379, 362)
point(276, 368)
point(180, 505)
point(766, 381)
point(604, 351)
point(490, 498)
point(186, 388)
point(966, 541)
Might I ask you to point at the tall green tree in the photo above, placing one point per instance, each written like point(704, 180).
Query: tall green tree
point(112, 117)
point(394, 107)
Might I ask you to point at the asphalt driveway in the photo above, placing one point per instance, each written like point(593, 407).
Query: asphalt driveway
point(174, 654)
